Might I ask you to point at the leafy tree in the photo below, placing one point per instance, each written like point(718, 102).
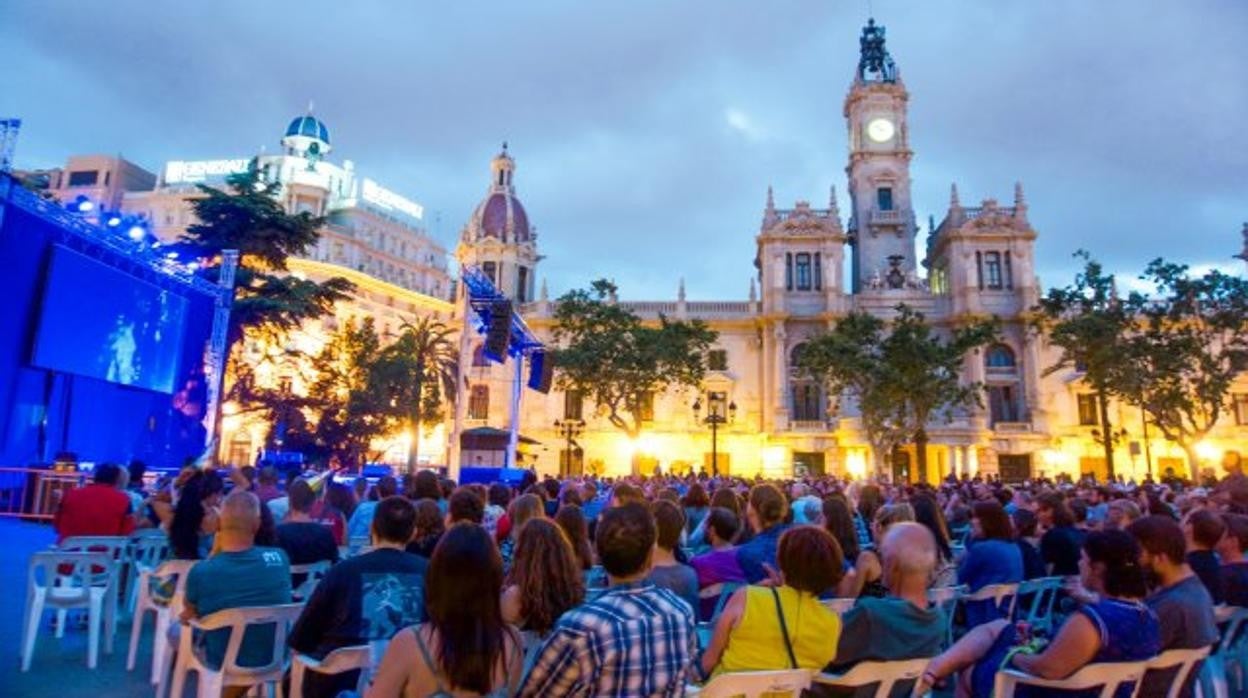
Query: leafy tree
point(418, 369)
point(1089, 324)
point(608, 354)
point(901, 379)
point(1189, 343)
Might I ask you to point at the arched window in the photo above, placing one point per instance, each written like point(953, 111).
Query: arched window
point(805, 393)
point(479, 402)
point(999, 357)
point(478, 355)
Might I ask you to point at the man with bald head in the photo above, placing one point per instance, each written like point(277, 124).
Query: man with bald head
point(238, 574)
point(900, 625)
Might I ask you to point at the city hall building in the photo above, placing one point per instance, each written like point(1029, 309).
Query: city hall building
point(813, 265)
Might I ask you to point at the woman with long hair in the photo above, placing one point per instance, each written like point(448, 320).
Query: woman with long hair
point(430, 525)
point(696, 504)
point(545, 579)
point(928, 512)
point(838, 520)
point(195, 515)
point(572, 520)
point(992, 557)
point(465, 648)
point(523, 509)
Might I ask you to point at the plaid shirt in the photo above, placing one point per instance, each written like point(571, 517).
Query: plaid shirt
point(634, 640)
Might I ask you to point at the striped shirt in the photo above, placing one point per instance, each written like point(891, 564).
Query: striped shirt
point(634, 640)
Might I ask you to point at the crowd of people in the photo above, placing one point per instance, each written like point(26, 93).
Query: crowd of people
point(642, 585)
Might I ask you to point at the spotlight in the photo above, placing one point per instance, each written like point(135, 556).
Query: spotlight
point(171, 255)
point(83, 204)
point(137, 232)
point(156, 245)
point(114, 221)
point(193, 266)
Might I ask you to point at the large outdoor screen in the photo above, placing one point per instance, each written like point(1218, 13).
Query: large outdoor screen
point(103, 323)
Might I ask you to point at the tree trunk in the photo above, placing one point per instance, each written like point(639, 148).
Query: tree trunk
point(1193, 459)
point(879, 455)
point(1107, 433)
point(413, 448)
point(920, 453)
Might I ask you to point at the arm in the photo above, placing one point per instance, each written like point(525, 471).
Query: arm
point(964, 653)
point(1075, 645)
point(557, 670)
point(511, 606)
point(392, 675)
point(728, 619)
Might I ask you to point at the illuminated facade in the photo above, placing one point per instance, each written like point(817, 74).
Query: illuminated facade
point(979, 261)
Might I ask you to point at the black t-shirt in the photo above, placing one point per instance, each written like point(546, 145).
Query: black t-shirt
point(306, 542)
point(1205, 564)
point(1033, 564)
point(1060, 547)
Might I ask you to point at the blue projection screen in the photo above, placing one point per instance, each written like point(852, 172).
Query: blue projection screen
point(102, 323)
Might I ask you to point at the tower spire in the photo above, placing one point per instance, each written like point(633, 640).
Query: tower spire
point(874, 63)
point(1020, 203)
point(954, 203)
point(833, 209)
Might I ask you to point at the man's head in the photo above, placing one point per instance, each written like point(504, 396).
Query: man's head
point(138, 469)
point(1121, 513)
point(301, 496)
point(767, 507)
point(625, 540)
point(721, 526)
point(1052, 510)
point(268, 476)
point(669, 522)
point(387, 486)
point(1162, 547)
point(1203, 530)
point(239, 519)
point(624, 493)
point(394, 520)
point(1235, 543)
point(107, 474)
point(909, 555)
point(465, 505)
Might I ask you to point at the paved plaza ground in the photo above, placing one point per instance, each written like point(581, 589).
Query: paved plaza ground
point(60, 666)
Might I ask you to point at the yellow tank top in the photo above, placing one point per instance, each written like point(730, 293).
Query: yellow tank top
point(757, 643)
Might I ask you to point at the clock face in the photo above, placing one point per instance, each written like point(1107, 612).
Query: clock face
point(880, 130)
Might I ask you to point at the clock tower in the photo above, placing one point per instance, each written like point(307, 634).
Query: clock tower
point(881, 225)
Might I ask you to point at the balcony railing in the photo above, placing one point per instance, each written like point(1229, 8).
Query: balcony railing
point(809, 425)
point(891, 217)
point(1012, 427)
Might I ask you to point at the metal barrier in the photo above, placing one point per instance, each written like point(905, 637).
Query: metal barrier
point(35, 493)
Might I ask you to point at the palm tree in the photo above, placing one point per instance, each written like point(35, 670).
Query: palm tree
point(422, 366)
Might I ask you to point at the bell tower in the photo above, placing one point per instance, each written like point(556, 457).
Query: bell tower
point(881, 224)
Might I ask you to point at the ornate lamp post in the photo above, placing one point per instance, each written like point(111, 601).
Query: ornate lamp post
point(569, 429)
point(714, 418)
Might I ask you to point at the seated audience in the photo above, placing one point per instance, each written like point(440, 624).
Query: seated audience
point(1203, 530)
point(634, 639)
point(697, 505)
point(333, 507)
point(571, 519)
point(1117, 628)
point(1060, 544)
point(766, 512)
point(238, 575)
point(464, 505)
point(1180, 600)
point(465, 648)
point(523, 508)
point(785, 626)
point(902, 624)
point(719, 565)
point(928, 513)
point(304, 540)
point(266, 484)
point(365, 598)
point(430, 525)
point(195, 516)
point(839, 521)
point(665, 570)
point(992, 557)
point(1120, 513)
point(1025, 523)
point(1234, 565)
point(544, 581)
point(361, 521)
point(99, 509)
point(498, 497)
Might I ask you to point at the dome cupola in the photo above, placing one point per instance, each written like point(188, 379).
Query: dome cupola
point(500, 215)
point(307, 136)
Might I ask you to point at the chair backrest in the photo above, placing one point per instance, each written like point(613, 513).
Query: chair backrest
point(239, 619)
point(754, 684)
point(946, 599)
point(839, 606)
point(313, 573)
point(1002, 596)
point(178, 569)
point(1039, 595)
point(148, 550)
point(1230, 620)
point(1108, 676)
point(71, 573)
point(116, 546)
point(1184, 660)
point(886, 675)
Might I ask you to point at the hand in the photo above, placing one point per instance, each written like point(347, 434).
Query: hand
point(774, 578)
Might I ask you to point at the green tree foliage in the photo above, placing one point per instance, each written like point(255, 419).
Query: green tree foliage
point(1188, 343)
point(1090, 326)
point(615, 359)
point(419, 368)
point(901, 374)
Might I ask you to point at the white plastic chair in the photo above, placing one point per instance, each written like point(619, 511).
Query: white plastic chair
point(148, 548)
point(1039, 595)
point(1226, 653)
point(117, 548)
point(237, 620)
point(1003, 597)
point(313, 573)
point(946, 599)
point(886, 674)
point(754, 684)
point(839, 606)
point(1184, 660)
point(723, 591)
point(339, 661)
point(166, 612)
point(50, 585)
point(1108, 676)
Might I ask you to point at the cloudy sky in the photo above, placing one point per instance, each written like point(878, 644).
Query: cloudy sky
point(646, 133)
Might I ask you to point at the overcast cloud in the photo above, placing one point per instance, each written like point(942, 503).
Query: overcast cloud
point(646, 133)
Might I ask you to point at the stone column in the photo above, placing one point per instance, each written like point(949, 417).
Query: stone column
point(781, 377)
point(954, 462)
point(966, 460)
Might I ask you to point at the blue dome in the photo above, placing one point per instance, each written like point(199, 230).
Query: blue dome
point(308, 126)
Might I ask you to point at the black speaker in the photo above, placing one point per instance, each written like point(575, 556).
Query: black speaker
point(541, 371)
point(498, 334)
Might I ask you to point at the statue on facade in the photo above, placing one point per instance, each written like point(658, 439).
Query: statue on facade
point(876, 282)
point(896, 278)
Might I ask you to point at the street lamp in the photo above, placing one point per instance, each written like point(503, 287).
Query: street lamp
point(714, 418)
point(569, 429)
